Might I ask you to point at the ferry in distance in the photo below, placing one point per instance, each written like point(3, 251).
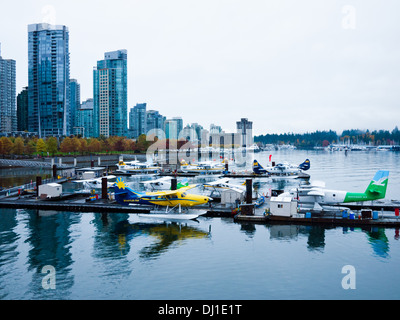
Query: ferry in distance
point(316, 197)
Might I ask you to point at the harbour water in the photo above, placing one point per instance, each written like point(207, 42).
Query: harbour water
point(121, 256)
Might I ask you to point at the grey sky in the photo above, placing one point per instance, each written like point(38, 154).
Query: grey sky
point(287, 65)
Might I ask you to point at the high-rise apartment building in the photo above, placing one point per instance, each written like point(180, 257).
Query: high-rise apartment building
point(84, 119)
point(110, 95)
point(154, 120)
point(173, 127)
point(8, 105)
point(138, 120)
point(48, 80)
point(75, 101)
point(245, 129)
point(22, 110)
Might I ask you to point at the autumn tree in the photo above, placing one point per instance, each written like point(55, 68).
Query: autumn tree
point(52, 145)
point(66, 145)
point(19, 146)
point(83, 146)
point(75, 144)
point(6, 145)
point(41, 146)
point(94, 145)
point(30, 147)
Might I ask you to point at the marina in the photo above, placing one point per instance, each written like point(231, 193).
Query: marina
point(137, 253)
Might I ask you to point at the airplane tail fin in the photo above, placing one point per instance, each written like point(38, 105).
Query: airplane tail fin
point(378, 185)
point(305, 165)
point(257, 167)
point(123, 192)
point(183, 183)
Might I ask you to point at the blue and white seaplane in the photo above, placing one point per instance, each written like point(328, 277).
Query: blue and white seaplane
point(284, 169)
point(175, 202)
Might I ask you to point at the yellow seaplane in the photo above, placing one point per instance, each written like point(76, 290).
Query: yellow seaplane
point(171, 199)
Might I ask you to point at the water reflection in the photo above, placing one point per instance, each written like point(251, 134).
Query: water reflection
point(316, 236)
point(50, 242)
point(8, 246)
point(165, 234)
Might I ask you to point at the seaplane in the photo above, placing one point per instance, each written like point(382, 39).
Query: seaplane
point(172, 200)
point(96, 183)
point(135, 166)
point(315, 197)
point(203, 167)
point(164, 183)
point(282, 169)
point(224, 184)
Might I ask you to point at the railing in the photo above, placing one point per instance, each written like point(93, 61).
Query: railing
point(29, 164)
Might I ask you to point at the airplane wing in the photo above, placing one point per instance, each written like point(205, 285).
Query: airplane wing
point(213, 183)
point(92, 180)
point(317, 193)
point(157, 180)
point(173, 192)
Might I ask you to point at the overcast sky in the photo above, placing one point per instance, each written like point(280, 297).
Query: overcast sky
point(286, 65)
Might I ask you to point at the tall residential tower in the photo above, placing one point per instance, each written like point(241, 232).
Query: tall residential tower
point(110, 95)
point(48, 80)
point(8, 104)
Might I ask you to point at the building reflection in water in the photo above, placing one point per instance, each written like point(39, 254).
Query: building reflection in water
point(49, 237)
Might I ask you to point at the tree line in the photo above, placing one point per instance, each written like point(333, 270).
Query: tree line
point(52, 146)
point(325, 138)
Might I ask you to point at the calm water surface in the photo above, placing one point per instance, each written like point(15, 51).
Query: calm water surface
point(121, 256)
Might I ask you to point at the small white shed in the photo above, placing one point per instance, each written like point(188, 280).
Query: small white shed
point(283, 206)
point(50, 190)
point(230, 196)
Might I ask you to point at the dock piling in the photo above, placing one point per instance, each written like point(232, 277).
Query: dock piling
point(38, 183)
point(174, 184)
point(104, 194)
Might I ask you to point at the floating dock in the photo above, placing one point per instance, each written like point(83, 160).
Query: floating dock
point(393, 222)
point(107, 206)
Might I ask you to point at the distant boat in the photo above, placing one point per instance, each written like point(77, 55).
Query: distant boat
point(254, 148)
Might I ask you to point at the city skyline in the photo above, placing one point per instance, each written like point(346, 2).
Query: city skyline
point(289, 66)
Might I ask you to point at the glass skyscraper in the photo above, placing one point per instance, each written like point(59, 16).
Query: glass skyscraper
point(84, 119)
point(110, 95)
point(138, 120)
point(75, 102)
point(8, 104)
point(48, 80)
